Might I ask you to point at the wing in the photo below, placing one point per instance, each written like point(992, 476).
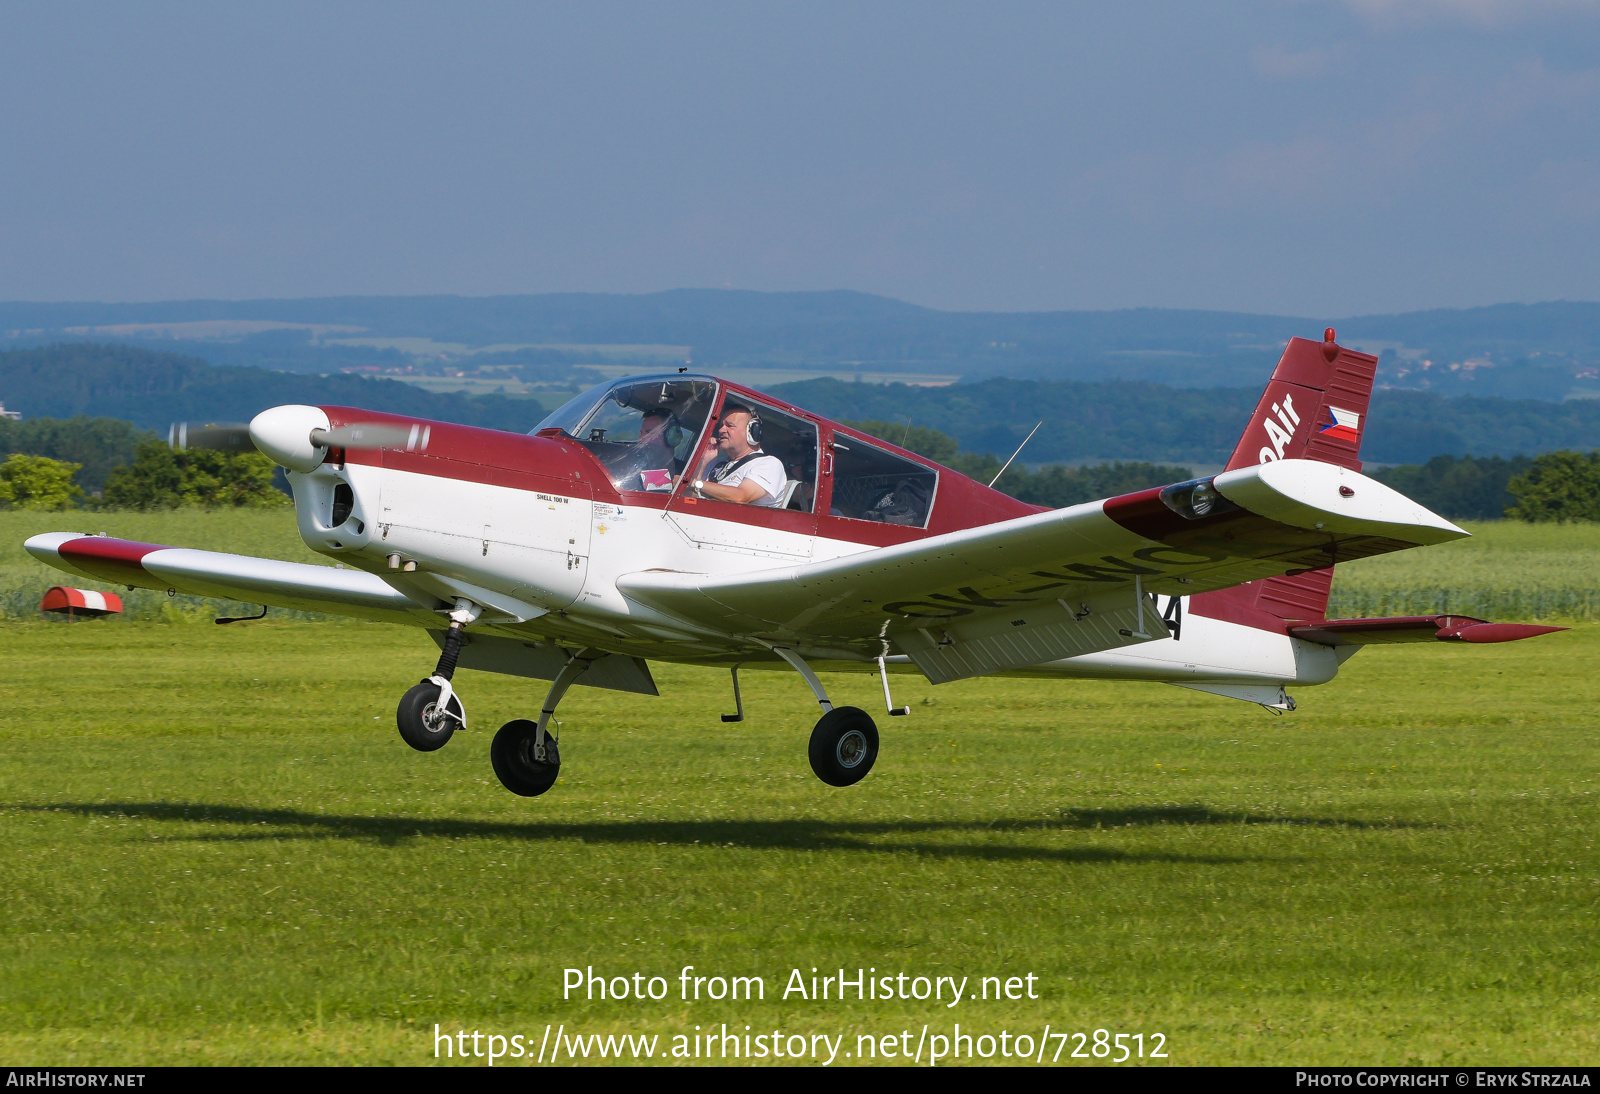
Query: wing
point(230, 577)
point(1055, 584)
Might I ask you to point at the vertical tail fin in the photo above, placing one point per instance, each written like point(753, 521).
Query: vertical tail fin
point(1314, 408)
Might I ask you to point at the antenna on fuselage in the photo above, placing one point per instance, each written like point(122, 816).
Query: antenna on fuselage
point(1015, 454)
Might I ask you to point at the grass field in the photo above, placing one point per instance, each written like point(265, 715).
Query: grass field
point(218, 850)
point(1507, 570)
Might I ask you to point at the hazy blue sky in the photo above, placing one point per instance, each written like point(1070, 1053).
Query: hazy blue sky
point(1317, 157)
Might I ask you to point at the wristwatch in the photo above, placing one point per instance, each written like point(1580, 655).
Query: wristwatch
point(699, 486)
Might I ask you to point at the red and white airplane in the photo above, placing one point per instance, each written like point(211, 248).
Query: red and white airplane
point(596, 543)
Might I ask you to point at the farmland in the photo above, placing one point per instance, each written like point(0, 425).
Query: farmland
point(1508, 571)
point(217, 850)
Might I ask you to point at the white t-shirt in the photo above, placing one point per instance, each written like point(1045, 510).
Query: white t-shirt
point(764, 469)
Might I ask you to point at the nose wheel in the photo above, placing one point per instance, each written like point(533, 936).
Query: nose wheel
point(424, 721)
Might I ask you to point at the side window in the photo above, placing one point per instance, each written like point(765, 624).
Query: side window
point(871, 484)
point(792, 440)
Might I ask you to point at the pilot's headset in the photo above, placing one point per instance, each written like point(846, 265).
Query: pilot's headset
point(674, 433)
point(752, 429)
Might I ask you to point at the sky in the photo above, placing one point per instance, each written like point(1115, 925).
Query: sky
point(1323, 157)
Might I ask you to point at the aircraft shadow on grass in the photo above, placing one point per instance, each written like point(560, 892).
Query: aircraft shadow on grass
point(803, 835)
point(1140, 816)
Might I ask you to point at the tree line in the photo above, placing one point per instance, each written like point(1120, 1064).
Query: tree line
point(1555, 487)
point(1090, 420)
point(57, 464)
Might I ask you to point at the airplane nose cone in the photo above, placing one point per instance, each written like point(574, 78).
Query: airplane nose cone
point(284, 435)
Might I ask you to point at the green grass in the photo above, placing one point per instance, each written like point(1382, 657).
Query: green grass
point(1507, 571)
point(217, 850)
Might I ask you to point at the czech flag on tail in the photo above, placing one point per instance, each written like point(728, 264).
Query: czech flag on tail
point(1345, 425)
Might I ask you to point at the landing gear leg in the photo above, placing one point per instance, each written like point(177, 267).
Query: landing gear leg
point(525, 757)
point(431, 712)
point(738, 703)
point(844, 744)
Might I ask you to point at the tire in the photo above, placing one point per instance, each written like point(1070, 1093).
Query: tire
point(419, 724)
point(514, 762)
point(844, 746)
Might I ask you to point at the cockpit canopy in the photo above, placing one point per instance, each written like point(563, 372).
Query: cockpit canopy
point(643, 429)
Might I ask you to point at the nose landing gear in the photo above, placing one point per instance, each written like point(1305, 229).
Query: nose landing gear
point(431, 712)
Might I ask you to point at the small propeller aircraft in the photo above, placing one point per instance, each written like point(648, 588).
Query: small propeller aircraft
point(685, 518)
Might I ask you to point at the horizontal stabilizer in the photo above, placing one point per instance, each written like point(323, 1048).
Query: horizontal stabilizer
point(1415, 628)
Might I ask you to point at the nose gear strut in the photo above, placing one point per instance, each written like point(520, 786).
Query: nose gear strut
point(431, 712)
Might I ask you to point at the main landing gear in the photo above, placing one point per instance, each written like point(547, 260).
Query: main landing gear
point(525, 756)
point(844, 744)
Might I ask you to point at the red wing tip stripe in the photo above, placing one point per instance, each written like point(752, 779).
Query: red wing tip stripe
point(104, 549)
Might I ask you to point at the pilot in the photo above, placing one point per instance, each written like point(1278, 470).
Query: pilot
point(653, 437)
point(743, 473)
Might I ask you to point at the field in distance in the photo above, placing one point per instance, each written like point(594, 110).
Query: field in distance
point(217, 849)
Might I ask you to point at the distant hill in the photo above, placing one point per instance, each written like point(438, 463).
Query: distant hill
point(1114, 420)
point(1547, 350)
point(153, 389)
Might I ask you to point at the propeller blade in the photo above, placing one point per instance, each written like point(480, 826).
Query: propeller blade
point(411, 438)
point(217, 436)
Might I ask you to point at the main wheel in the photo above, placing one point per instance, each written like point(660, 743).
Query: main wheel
point(844, 746)
point(518, 769)
point(422, 724)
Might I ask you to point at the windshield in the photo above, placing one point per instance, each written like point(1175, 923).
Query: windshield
point(643, 429)
point(570, 414)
